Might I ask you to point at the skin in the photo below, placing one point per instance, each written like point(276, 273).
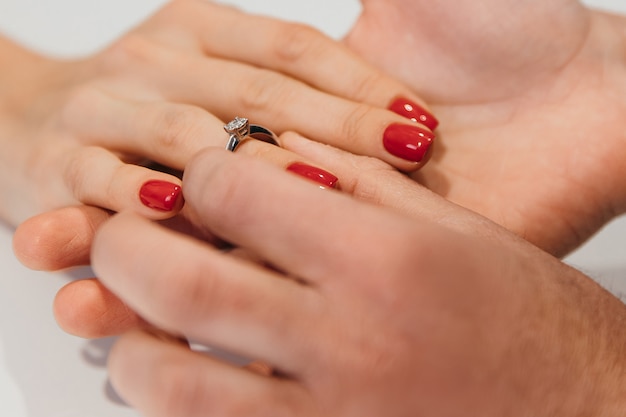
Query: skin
point(394, 328)
point(537, 337)
point(556, 214)
point(531, 96)
point(523, 152)
point(89, 130)
point(87, 308)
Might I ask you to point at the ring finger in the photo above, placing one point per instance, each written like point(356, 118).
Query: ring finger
point(169, 133)
point(97, 177)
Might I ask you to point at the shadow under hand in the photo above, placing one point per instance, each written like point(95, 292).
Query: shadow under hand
point(96, 353)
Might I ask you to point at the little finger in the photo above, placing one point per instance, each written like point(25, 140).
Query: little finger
point(87, 309)
point(169, 133)
point(164, 379)
point(58, 239)
point(98, 178)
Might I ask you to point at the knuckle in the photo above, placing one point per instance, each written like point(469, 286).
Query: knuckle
point(117, 190)
point(170, 12)
point(265, 90)
point(231, 190)
point(177, 127)
point(370, 184)
point(363, 188)
point(131, 50)
point(295, 41)
point(351, 125)
point(75, 174)
point(232, 183)
point(362, 86)
point(180, 389)
point(80, 103)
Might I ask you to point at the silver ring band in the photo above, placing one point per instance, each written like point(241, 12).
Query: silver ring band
point(240, 129)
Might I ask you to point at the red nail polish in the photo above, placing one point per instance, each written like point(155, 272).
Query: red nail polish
point(325, 178)
point(414, 111)
point(408, 142)
point(160, 195)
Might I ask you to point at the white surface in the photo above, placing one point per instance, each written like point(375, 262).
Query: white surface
point(46, 373)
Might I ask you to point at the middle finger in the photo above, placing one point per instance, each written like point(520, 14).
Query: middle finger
point(283, 103)
point(168, 133)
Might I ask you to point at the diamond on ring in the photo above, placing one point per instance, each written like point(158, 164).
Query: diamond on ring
point(240, 128)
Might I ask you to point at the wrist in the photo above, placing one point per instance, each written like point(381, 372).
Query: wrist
point(597, 346)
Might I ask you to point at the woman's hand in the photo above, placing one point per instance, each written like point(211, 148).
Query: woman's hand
point(62, 239)
point(79, 131)
point(88, 309)
point(531, 97)
point(364, 312)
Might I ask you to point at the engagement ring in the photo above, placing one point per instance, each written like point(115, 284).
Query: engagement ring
point(240, 129)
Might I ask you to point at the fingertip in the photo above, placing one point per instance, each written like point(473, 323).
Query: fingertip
point(69, 308)
point(87, 309)
point(410, 146)
point(412, 110)
point(28, 247)
point(58, 239)
point(99, 178)
point(163, 198)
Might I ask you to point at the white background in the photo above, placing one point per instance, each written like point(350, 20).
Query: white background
point(46, 373)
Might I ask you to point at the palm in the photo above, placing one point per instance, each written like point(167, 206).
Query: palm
point(532, 131)
point(549, 182)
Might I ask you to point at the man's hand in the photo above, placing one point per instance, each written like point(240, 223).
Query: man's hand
point(363, 312)
point(531, 97)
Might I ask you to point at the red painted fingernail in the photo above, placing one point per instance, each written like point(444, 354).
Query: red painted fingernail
point(160, 195)
point(325, 178)
point(408, 142)
point(414, 111)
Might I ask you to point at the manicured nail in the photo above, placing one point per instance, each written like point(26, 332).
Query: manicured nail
point(414, 111)
point(409, 142)
point(325, 178)
point(160, 195)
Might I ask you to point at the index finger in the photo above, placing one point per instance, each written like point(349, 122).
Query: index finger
point(283, 219)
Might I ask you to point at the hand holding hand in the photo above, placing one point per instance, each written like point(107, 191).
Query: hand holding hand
point(531, 97)
point(81, 130)
point(365, 311)
point(88, 309)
